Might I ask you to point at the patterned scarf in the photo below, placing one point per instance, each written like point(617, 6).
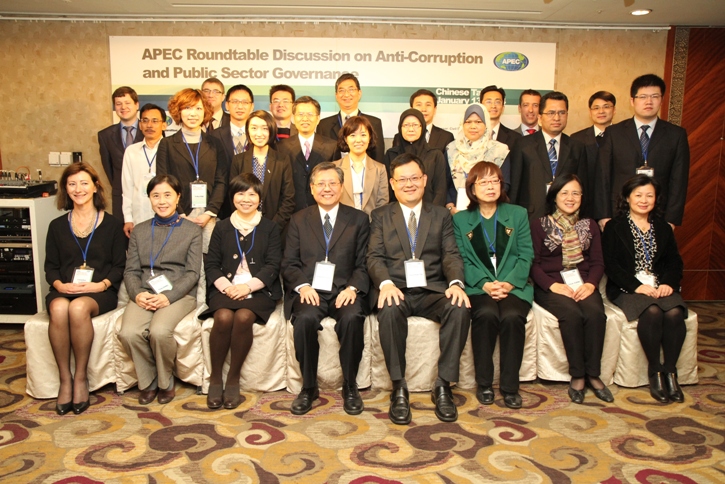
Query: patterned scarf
point(571, 249)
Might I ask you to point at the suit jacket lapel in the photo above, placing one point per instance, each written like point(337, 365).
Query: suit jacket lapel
point(315, 223)
point(434, 134)
point(116, 138)
point(543, 154)
point(183, 149)
point(503, 236)
point(633, 138)
point(368, 180)
point(563, 159)
point(401, 229)
point(347, 172)
point(340, 224)
point(423, 228)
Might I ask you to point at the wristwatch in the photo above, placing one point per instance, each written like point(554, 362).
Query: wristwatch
point(352, 288)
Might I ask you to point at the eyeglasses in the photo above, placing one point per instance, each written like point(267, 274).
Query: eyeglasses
point(573, 194)
point(411, 126)
point(597, 107)
point(322, 185)
point(215, 92)
point(349, 90)
point(473, 122)
point(553, 114)
point(644, 97)
point(412, 179)
point(492, 102)
point(238, 102)
point(490, 182)
point(306, 115)
point(151, 121)
point(283, 102)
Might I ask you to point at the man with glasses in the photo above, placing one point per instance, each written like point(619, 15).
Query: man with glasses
point(281, 98)
point(416, 270)
point(644, 144)
point(348, 95)
point(306, 150)
point(231, 138)
point(324, 275)
point(602, 108)
point(213, 91)
point(536, 160)
point(115, 139)
point(139, 167)
point(494, 98)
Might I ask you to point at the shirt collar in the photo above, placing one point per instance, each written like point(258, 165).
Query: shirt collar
point(548, 138)
point(332, 213)
point(416, 210)
point(311, 139)
point(639, 125)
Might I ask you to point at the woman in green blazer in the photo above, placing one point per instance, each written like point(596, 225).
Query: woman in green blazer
point(495, 242)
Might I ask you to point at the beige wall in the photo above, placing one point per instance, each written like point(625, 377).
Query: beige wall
point(55, 76)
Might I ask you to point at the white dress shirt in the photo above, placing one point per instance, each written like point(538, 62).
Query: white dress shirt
point(135, 176)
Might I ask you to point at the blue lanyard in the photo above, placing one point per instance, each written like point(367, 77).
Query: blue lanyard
point(153, 259)
point(413, 241)
point(241, 252)
point(88, 242)
point(646, 247)
point(491, 245)
point(151, 161)
point(194, 159)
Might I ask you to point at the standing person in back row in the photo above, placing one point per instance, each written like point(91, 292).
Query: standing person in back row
point(426, 102)
point(494, 98)
point(348, 95)
point(529, 102)
point(648, 145)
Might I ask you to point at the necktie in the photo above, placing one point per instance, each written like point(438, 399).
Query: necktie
point(258, 169)
point(413, 229)
point(239, 142)
point(307, 150)
point(552, 156)
point(129, 136)
point(530, 131)
point(210, 128)
point(347, 116)
point(493, 135)
point(600, 138)
point(644, 141)
point(327, 226)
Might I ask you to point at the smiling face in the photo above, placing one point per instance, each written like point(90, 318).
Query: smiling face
point(326, 189)
point(358, 141)
point(493, 100)
point(258, 132)
point(642, 200)
point(164, 200)
point(306, 119)
point(426, 105)
point(192, 116)
point(80, 188)
point(411, 129)
point(529, 109)
point(602, 112)
point(474, 127)
point(240, 106)
point(281, 107)
point(247, 202)
point(487, 189)
point(125, 109)
point(408, 182)
point(569, 198)
point(348, 95)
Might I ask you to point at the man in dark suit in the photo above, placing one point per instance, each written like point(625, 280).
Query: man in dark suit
point(602, 108)
point(548, 153)
point(529, 102)
point(348, 94)
point(281, 98)
point(494, 98)
point(213, 91)
point(113, 141)
point(306, 149)
point(413, 261)
point(426, 102)
point(231, 138)
point(648, 143)
point(324, 275)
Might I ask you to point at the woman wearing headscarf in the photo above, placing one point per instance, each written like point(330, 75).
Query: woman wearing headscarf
point(472, 144)
point(412, 130)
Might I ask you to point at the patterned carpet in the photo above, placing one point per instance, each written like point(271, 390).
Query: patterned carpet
point(634, 440)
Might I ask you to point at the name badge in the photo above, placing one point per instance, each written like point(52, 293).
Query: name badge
point(160, 283)
point(646, 170)
point(572, 278)
point(647, 279)
point(198, 194)
point(148, 176)
point(243, 279)
point(415, 273)
point(323, 277)
point(462, 200)
point(548, 185)
point(82, 274)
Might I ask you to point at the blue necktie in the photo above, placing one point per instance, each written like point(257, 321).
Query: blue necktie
point(327, 226)
point(644, 141)
point(552, 156)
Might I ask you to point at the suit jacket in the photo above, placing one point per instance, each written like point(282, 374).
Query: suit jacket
point(514, 250)
point(507, 136)
point(621, 155)
point(278, 190)
point(305, 247)
point(330, 127)
point(375, 185)
point(264, 259)
point(173, 158)
point(591, 147)
point(389, 247)
point(523, 133)
point(619, 260)
point(531, 170)
point(226, 119)
point(435, 164)
point(323, 149)
point(222, 136)
point(111, 148)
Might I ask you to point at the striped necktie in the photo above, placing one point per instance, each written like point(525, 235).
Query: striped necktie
point(552, 156)
point(644, 141)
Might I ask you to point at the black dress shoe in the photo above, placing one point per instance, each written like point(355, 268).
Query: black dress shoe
point(352, 401)
point(512, 400)
point(446, 410)
point(63, 408)
point(79, 408)
point(674, 392)
point(399, 412)
point(602, 394)
point(147, 396)
point(232, 397)
point(577, 396)
point(303, 403)
point(485, 395)
point(656, 388)
point(214, 397)
point(165, 396)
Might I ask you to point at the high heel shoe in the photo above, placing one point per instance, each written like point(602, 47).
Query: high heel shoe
point(79, 408)
point(63, 408)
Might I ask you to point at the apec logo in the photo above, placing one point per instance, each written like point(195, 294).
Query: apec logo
point(511, 61)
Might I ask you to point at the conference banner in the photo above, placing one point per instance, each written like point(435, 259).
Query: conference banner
point(389, 70)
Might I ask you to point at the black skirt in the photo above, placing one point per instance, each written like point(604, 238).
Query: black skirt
point(260, 304)
point(634, 304)
point(107, 300)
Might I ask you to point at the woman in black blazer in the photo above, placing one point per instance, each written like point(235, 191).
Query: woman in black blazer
point(271, 167)
point(192, 158)
point(644, 269)
point(242, 274)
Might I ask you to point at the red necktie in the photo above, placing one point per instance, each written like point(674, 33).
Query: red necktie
point(531, 131)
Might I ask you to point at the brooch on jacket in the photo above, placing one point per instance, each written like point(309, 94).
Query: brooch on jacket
point(509, 230)
point(470, 235)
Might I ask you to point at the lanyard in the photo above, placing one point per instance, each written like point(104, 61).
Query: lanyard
point(241, 252)
point(491, 245)
point(153, 259)
point(193, 159)
point(88, 242)
point(413, 241)
point(646, 247)
point(151, 161)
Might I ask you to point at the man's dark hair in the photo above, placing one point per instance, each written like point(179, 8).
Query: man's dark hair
point(281, 87)
point(493, 88)
point(239, 87)
point(647, 80)
point(554, 96)
point(529, 92)
point(604, 96)
point(346, 77)
point(424, 92)
point(404, 159)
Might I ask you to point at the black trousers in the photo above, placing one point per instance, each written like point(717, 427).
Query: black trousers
point(349, 322)
point(506, 320)
point(393, 327)
point(582, 325)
